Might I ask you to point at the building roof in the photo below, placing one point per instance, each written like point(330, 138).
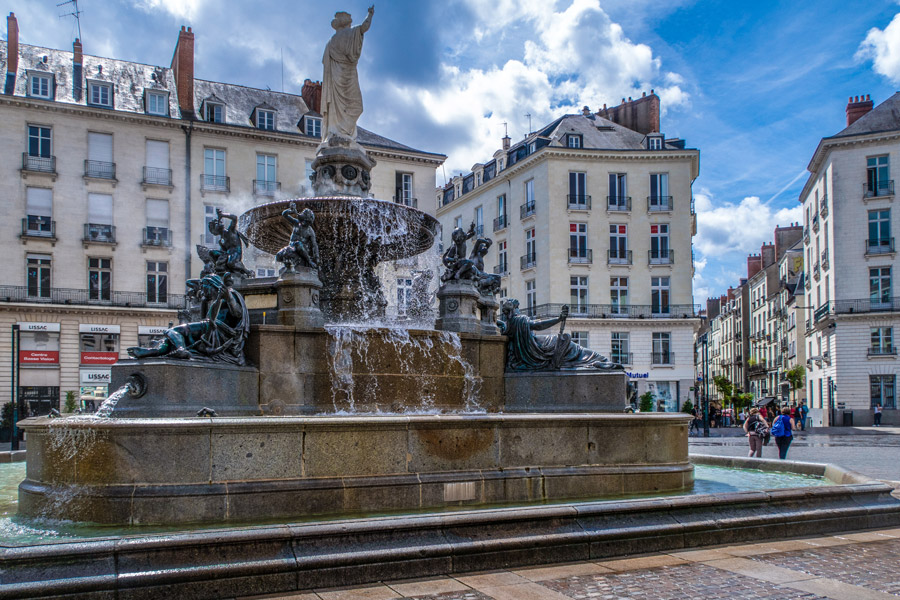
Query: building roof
point(597, 134)
point(884, 117)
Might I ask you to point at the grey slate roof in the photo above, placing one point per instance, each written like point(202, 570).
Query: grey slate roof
point(884, 117)
point(597, 134)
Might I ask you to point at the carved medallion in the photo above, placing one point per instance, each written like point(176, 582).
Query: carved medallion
point(287, 297)
point(349, 172)
point(452, 305)
point(315, 299)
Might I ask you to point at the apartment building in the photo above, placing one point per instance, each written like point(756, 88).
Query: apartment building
point(111, 172)
point(595, 211)
point(851, 262)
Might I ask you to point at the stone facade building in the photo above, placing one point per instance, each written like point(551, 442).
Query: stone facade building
point(111, 172)
point(593, 214)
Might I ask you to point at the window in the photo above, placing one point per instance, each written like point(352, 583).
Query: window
point(404, 293)
point(659, 245)
point(655, 143)
point(265, 119)
point(209, 215)
point(214, 170)
point(158, 103)
point(577, 190)
point(157, 171)
point(573, 140)
point(618, 192)
point(659, 192)
point(879, 232)
point(880, 285)
point(479, 221)
point(308, 172)
point(529, 196)
point(157, 282)
point(531, 148)
point(502, 261)
point(100, 94)
point(100, 218)
point(882, 340)
point(266, 168)
point(619, 348)
point(661, 344)
point(39, 141)
point(39, 211)
point(502, 293)
point(215, 112)
point(530, 245)
point(38, 276)
point(618, 244)
point(404, 189)
point(618, 295)
point(659, 295)
point(578, 293)
point(40, 86)
point(99, 278)
point(530, 296)
point(313, 127)
point(877, 183)
point(263, 272)
point(883, 390)
point(157, 231)
point(100, 156)
point(457, 223)
point(581, 338)
point(500, 221)
point(578, 250)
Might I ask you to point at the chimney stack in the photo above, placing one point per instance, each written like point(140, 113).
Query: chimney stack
point(754, 265)
point(585, 112)
point(506, 141)
point(768, 254)
point(312, 95)
point(183, 68)
point(858, 106)
point(12, 52)
point(77, 69)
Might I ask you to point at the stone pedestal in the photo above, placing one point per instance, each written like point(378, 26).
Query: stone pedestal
point(489, 307)
point(458, 307)
point(585, 391)
point(342, 168)
point(298, 299)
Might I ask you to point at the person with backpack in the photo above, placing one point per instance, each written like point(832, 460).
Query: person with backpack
point(756, 429)
point(782, 430)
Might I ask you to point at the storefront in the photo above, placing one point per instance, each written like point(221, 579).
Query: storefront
point(99, 351)
point(38, 368)
point(665, 394)
point(150, 335)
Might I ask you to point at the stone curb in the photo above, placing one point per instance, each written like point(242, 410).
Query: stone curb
point(12, 456)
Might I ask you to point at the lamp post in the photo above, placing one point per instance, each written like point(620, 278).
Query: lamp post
point(705, 385)
point(14, 388)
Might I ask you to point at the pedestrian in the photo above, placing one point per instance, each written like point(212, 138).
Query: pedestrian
point(695, 423)
point(782, 430)
point(756, 429)
point(877, 416)
point(803, 412)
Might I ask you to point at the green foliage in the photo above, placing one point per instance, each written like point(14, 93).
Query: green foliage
point(725, 387)
point(742, 400)
point(646, 404)
point(796, 377)
point(687, 407)
point(752, 362)
point(70, 405)
point(7, 415)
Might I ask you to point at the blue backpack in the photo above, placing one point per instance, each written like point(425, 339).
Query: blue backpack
point(778, 427)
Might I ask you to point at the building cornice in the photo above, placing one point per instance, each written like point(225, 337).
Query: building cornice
point(86, 310)
point(101, 113)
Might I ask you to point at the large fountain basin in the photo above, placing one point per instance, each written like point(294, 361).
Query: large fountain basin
point(209, 470)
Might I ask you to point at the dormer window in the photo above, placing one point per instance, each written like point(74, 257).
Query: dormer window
point(313, 127)
point(531, 148)
point(214, 112)
point(100, 94)
point(265, 119)
point(655, 142)
point(40, 85)
point(573, 140)
point(157, 103)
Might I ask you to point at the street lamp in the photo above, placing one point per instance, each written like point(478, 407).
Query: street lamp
point(14, 388)
point(705, 385)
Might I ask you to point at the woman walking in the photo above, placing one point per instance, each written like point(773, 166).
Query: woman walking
point(782, 430)
point(756, 429)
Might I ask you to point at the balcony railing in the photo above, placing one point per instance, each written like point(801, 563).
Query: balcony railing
point(526, 210)
point(529, 261)
point(823, 205)
point(879, 246)
point(157, 176)
point(502, 269)
point(622, 358)
point(39, 227)
point(880, 188)
point(816, 273)
point(404, 200)
point(584, 256)
point(621, 311)
point(757, 369)
point(99, 233)
point(262, 187)
point(157, 236)
point(479, 230)
point(659, 203)
point(40, 164)
point(215, 183)
point(578, 202)
point(14, 293)
point(500, 223)
point(99, 169)
point(661, 257)
point(825, 261)
point(662, 358)
point(882, 351)
point(618, 203)
point(806, 235)
point(618, 257)
point(815, 223)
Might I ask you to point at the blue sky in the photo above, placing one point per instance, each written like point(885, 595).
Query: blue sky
point(753, 85)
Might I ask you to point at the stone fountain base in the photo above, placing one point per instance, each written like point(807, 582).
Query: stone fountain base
point(202, 470)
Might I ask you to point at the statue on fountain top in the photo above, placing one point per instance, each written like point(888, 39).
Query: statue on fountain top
point(341, 97)
point(460, 268)
point(228, 259)
point(302, 250)
point(526, 351)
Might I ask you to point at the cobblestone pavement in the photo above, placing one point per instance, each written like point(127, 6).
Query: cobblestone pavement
point(854, 566)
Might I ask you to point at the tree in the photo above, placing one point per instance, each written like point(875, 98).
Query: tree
point(687, 407)
point(725, 387)
point(70, 405)
point(796, 377)
point(742, 400)
point(646, 404)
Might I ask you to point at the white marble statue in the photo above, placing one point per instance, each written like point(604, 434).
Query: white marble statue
point(341, 98)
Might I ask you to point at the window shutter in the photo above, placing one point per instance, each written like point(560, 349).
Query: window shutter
point(157, 154)
point(157, 213)
point(100, 209)
point(100, 147)
point(39, 202)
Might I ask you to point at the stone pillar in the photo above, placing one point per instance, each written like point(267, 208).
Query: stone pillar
point(298, 299)
point(489, 307)
point(458, 307)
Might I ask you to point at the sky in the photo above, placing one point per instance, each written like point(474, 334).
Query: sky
point(753, 85)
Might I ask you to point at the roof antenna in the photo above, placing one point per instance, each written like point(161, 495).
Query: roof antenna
point(75, 13)
point(529, 122)
point(505, 129)
point(282, 69)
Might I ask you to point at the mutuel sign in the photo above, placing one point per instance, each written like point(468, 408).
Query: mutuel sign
point(39, 357)
point(99, 358)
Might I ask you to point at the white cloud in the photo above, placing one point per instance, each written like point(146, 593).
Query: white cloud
point(183, 9)
point(741, 228)
point(882, 47)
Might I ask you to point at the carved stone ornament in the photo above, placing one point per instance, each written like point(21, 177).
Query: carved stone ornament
point(452, 305)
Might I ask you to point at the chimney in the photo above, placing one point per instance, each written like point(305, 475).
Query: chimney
point(768, 254)
point(641, 115)
point(506, 141)
point(77, 69)
point(76, 51)
point(183, 68)
point(312, 95)
point(585, 112)
point(754, 265)
point(858, 106)
point(786, 237)
point(12, 52)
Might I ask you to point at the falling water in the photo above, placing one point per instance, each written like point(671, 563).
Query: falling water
point(108, 405)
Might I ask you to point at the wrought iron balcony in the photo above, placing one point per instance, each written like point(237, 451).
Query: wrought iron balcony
point(806, 235)
point(878, 189)
point(578, 202)
point(38, 227)
point(263, 187)
point(526, 210)
point(862, 305)
point(99, 169)
point(661, 257)
point(618, 203)
point(38, 164)
point(157, 176)
point(882, 351)
point(500, 223)
point(823, 205)
point(816, 273)
point(622, 311)
point(825, 261)
point(502, 269)
point(99, 233)
point(615, 257)
point(215, 183)
point(399, 199)
point(13, 293)
point(479, 230)
point(157, 236)
point(662, 358)
point(659, 203)
point(879, 246)
point(815, 223)
point(529, 261)
point(583, 256)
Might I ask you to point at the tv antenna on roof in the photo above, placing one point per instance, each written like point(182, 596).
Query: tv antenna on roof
point(75, 13)
point(529, 122)
point(505, 129)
